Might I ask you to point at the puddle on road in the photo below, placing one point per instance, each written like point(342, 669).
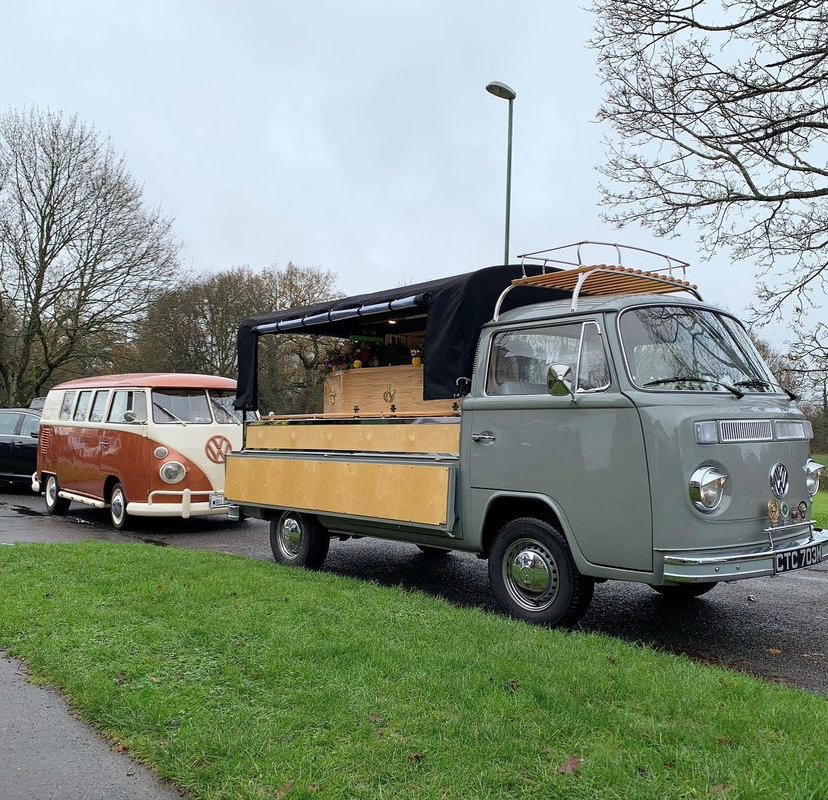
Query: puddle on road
point(24, 511)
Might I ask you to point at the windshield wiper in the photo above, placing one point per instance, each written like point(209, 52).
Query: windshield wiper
point(230, 418)
point(695, 379)
point(760, 382)
point(168, 412)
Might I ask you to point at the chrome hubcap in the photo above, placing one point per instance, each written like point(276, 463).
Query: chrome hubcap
point(51, 491)
point(530, 574)
point(290, 537)
point(117, 506)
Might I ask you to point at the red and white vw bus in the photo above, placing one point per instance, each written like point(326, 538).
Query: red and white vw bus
point(145, 445)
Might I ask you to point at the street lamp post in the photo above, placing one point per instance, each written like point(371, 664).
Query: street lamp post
point(505, 92)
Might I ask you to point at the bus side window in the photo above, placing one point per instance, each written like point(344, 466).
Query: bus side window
point(124, 401)
point(84, 398)
point(98, 406)
point(66, 405)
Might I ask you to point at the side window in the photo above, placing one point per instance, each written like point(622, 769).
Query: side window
point(593, 373)
point(8, 423)
point(84, 399)
point(31, 425)
point(66, 405)
point(520, 360)
point(124, 401)
point(98, 406)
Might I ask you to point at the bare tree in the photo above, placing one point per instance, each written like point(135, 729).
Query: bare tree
point(80, 254)
point(719, 116)
point(782, 365)
point(192, 327)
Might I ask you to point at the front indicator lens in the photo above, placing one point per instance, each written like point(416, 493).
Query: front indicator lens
point(707, 432)
point(813, 471)
point(707, 488)
point(172, 472)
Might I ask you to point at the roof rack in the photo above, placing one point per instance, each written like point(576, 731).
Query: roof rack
point(601, 279)
point(541, 256)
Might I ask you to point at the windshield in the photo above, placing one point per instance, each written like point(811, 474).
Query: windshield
point(222, 403)
point(180, 405)
point(671, 348)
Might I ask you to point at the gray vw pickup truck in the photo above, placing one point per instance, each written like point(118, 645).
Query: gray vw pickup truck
point(569, 425)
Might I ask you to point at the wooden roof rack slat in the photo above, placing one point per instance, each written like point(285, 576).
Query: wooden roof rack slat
point(602, 279)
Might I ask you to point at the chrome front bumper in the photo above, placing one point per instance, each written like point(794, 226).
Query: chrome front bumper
point(737, 563)
point(186, 508)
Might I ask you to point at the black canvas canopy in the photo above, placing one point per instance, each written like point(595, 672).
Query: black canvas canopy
point(450, 310)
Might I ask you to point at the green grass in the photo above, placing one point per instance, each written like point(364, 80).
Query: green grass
point(820, 510)
point(240, 679)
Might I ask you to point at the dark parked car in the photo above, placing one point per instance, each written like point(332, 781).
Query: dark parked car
point(18, 445)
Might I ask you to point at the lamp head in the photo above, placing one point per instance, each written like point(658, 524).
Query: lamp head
point(501, 90)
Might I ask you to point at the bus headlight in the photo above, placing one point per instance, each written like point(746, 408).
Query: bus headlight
point(172, 472)
point(707, 488)
point(813, 471)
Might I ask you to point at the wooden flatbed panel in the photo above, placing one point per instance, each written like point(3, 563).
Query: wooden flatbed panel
point(385, 437)
point(398, 492)
point(376, 389)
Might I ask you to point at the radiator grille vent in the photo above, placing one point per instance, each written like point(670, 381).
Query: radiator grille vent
point(45, 440)
point(746, 430)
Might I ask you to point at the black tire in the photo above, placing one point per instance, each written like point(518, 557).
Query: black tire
point(682, 592)
point(117, 508)
point(432, 552)
point(55, 506)
point(547, 589)
point(298, 540)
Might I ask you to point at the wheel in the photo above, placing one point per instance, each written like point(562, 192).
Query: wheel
point(298, 540)
point(117, 508)
point(681, 592)
point(533, 574)
point(432, 552)
point(56, 506)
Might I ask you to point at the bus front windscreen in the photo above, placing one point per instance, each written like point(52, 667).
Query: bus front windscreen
point(170, 406)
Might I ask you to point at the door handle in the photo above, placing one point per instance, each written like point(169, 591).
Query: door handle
point(104, 442)
point(485, 437)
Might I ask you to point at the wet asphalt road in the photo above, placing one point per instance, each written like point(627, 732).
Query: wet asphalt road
point(776, 628)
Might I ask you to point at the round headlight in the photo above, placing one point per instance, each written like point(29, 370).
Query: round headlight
point(160, 452)
point(707, 488)
point(172, 472)
point(813, 470)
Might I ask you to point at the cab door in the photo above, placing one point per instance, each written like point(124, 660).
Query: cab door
point(586, 455)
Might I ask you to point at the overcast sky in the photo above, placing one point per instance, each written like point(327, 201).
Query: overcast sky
point(355, 136)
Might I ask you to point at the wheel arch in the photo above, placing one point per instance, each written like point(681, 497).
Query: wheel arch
point(109, 485)
point(503, 506)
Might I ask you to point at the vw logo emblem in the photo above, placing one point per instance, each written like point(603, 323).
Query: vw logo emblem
point(217, 448)
point(779, 479)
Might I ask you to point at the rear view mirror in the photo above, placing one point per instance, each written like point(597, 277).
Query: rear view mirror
point(558, 382)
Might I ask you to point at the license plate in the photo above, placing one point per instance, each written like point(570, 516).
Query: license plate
point(217, 500)
point(797, 559)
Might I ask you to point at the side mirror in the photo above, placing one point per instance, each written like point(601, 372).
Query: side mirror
point(558, 382)
point(129, 416)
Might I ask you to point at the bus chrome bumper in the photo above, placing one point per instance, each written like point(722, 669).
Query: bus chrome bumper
point(185, 509)
point(744, 562)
